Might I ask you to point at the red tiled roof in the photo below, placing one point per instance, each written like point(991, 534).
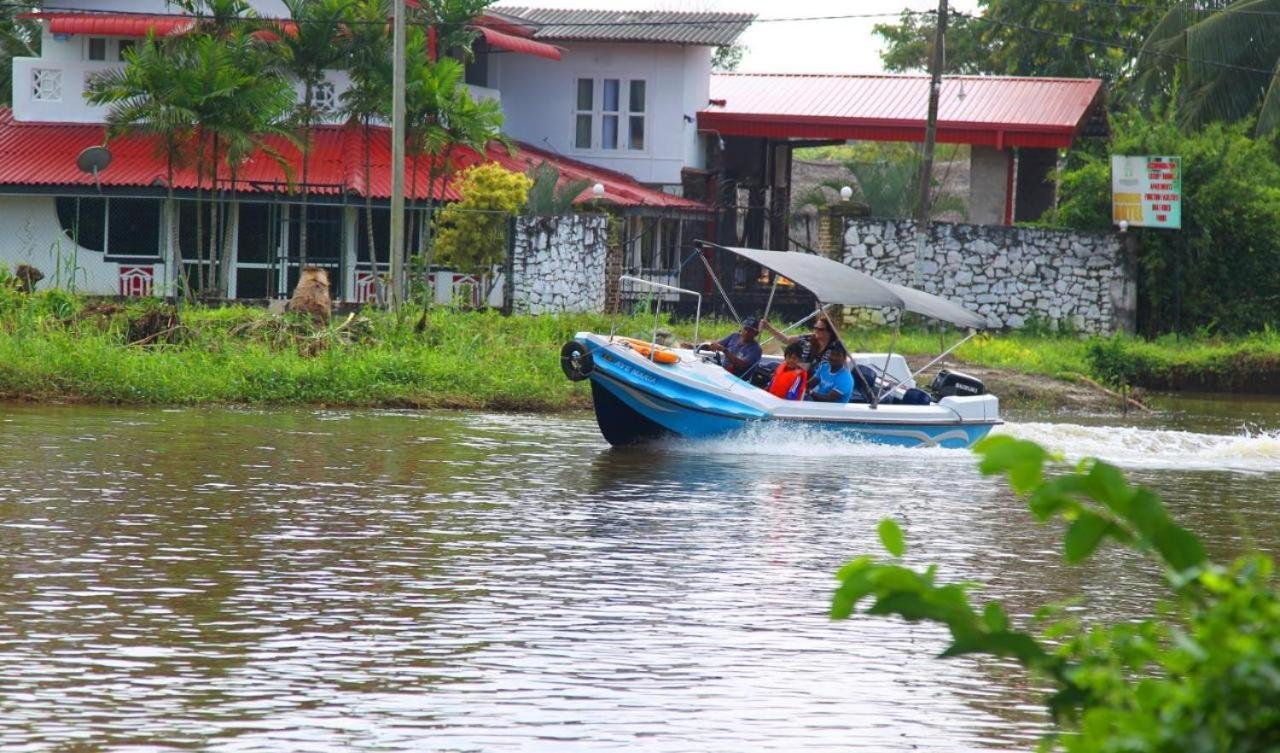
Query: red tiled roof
point(980, 110)
point(44, 154)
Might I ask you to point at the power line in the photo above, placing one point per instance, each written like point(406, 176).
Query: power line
point(1117, 45)
point(698, 22)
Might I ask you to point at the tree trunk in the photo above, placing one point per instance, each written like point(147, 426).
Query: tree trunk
point(306, 171)
point(441, 173)
point(368, 210)
point(200, 155)
point(215, 220)
point(414, 220)
point(175, 248)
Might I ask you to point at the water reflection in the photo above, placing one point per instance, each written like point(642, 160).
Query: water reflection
point(333, 580)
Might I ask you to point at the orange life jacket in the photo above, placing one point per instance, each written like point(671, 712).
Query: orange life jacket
point(789, 383)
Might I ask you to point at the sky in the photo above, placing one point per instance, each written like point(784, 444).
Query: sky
point(844, 45)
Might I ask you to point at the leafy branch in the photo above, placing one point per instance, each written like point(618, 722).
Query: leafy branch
point(1203, 675)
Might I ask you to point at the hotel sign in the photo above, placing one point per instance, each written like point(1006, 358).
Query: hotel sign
point(1146, 191)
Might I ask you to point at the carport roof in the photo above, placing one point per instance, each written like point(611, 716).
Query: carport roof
point(996, 111)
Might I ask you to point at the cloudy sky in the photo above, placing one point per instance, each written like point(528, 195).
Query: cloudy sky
point(831, 45)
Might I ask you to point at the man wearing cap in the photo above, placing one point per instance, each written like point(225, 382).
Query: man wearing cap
point(741, 350)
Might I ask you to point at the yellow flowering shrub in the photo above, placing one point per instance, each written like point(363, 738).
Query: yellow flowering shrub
point(471, 234)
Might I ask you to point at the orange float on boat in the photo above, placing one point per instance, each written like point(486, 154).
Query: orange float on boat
point(647, 350)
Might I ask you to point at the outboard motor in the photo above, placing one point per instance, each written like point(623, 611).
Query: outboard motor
point(953, 383)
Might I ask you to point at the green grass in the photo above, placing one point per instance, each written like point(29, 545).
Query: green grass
point(54, 346)
point(1243, 364)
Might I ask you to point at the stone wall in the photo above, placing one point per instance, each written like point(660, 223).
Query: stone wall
point(1011, 275)
point(558, 264)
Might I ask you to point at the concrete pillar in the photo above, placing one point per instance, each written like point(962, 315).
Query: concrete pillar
point(350, 229)
point(832, 220)
point(988, 185)
point(613, 264)
point(831, 226)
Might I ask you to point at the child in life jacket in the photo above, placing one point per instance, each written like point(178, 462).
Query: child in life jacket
point(790, 378)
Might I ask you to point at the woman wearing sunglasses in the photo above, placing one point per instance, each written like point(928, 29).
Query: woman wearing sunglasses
point(815, 347)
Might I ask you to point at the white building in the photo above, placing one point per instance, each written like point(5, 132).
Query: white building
point(607, 96)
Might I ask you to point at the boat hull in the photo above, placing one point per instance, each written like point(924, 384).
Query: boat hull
point(638, 402)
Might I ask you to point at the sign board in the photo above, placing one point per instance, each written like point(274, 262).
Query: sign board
point(1146, 191)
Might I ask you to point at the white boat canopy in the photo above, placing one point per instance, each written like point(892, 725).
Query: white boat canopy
point(833, 282)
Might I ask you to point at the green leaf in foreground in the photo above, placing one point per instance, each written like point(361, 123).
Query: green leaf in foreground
point(1200, 673)
point(891, 537)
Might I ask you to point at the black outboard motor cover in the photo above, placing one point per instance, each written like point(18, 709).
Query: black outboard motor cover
point(953, 383)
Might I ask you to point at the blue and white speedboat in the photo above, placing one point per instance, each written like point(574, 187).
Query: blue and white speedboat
point(643, 391)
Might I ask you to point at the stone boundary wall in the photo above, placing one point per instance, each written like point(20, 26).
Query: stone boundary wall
point(558, 264)
point(1010, 275)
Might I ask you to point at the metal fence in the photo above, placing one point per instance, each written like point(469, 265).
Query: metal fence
point(252, 247)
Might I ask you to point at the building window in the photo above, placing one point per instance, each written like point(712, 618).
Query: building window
point(125, 44)
point(584, 112)
point(476, 70)
point(609, 110)
point(119, 228)
point(97, 48)
point(620, 108)
point(46, 85)
point(323, 98)
point(635, 117)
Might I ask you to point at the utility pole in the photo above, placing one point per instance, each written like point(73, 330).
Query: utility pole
point(930, 136)
point(397, 158)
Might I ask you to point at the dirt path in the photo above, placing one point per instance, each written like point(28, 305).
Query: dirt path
point(1020, 390)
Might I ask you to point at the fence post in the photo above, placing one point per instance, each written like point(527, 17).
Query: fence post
point(509, 273)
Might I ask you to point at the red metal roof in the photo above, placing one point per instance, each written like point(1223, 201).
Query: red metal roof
point(112, 25)
point(44, 154)
point(513, 43)
point(979, 110)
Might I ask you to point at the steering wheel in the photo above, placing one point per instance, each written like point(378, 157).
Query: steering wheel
point(708, 355)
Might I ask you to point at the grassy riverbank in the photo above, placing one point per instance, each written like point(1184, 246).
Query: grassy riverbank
point(59, 347)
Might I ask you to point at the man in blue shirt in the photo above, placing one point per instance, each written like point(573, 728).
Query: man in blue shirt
point(741, 350)
point(832, 382)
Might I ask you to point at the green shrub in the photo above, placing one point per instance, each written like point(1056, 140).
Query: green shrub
point(1202, 675)
point(1221, 272)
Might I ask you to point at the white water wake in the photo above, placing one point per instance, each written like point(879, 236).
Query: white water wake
point(1124, 446)
point(1156, 448)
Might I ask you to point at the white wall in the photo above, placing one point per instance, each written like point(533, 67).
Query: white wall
point(538, 99)
point(33, 236)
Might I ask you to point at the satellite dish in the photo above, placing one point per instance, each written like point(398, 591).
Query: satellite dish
point(94, 159)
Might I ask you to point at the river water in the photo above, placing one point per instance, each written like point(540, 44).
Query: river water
point(303, 580)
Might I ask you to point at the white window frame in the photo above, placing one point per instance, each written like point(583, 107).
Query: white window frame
point(597, 113)
point(46, 84)
point(324, 98)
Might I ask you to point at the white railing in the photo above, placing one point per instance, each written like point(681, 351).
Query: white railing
point(697, 319)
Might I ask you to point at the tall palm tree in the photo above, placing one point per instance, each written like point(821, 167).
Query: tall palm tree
point(254, 110)
point(467, 124)
point(423, 133)
point(152, 95)
point(368, 63)
point(1224, 56)
point(215, 21)
point(308, 50)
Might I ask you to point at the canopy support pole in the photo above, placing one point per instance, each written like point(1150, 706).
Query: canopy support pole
point(944, 354)
point(772, 289)
point(875, 394)
point(821, 309)
point(972, 334)
point(719, 287)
